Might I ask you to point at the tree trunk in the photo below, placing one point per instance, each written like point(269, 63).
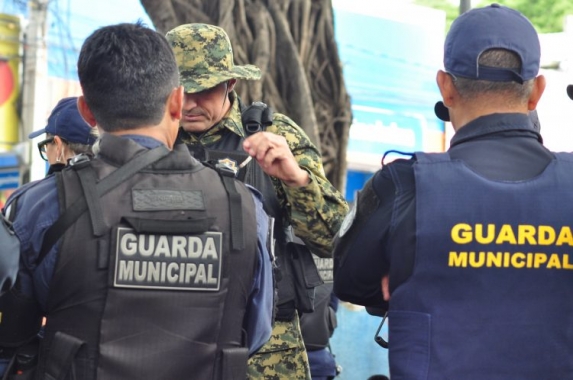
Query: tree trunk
point(292, 42)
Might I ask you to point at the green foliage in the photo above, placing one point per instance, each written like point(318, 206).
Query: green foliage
point(547, 16)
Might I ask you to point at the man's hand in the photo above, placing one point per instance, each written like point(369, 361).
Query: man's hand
point(275, 158)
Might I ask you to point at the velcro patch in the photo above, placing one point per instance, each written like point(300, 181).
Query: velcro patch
point(158, 200)
point(148, 261)
point(325, 266)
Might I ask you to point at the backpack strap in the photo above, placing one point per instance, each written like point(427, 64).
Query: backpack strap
point(108, 183)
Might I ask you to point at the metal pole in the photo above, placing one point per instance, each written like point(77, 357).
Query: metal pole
point(35, 82)
point(465, 5)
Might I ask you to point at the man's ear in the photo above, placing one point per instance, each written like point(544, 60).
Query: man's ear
point(231, 84)
point(536, 92)
point(85, 112)
point(175, 103)
point(446, 86)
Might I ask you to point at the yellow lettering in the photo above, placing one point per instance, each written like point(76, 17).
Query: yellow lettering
point(565, 237)
point(494, 259)
point(530, 260)
point(566, 264)
point(506, 235)
point(506, 259)
point(517, 260)
point(540, 258)
point(490, 234)
point(546, 235)
point(462, 233)
point(554, 262)
point(526, 233)
point(477, 259)
point(458, 259)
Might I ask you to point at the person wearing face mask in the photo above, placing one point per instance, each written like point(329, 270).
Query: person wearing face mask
point(67, 135)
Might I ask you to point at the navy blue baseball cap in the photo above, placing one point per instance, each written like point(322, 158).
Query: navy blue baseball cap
point(570, 91)
point(482, 29)
point(65, 121)
point(492, 27)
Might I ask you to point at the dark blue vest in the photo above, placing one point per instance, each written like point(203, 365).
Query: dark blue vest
point(489, 297)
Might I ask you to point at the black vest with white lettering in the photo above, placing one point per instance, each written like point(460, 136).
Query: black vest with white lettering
point(160, 294)
point(489, 296)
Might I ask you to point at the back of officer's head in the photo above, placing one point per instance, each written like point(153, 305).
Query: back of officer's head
point(492, 50)
point(127, 72)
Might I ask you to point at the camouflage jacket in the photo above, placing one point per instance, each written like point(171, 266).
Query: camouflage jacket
point(316, 210)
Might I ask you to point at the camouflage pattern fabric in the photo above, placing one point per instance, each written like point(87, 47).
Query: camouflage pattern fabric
point(205, 57)
point(316, 210)
point(282, 357)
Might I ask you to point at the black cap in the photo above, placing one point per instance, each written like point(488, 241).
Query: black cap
point(570, 91)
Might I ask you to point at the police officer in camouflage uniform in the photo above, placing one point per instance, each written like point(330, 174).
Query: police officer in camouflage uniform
point(298, 194)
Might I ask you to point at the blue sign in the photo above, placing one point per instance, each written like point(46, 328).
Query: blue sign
point(389, 69)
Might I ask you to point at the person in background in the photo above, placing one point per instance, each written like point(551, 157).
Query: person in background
point(146, 263)
point(286, 167)
point(67, 135)
point(472, 248)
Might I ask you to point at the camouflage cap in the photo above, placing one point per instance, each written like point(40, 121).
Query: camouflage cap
point(205, 57)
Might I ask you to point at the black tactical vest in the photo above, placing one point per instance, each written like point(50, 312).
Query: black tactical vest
point(158, 293)
point(229, 150)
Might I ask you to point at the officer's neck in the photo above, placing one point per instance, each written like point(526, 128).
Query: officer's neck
point(165, 132)
point(468, 111)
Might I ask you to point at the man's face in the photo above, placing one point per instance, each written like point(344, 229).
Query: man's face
point(204, 109)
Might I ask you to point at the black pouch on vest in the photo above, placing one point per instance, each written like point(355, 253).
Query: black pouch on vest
point(233, 364)
point(22, 366)
point(9, 254)
point(20, 319)
point(317, 327)
point(305, 276)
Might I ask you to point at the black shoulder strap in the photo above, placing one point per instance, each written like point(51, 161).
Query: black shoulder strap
point(108, 183)
point(235, 204)
point(88, 180)
point(256, 117)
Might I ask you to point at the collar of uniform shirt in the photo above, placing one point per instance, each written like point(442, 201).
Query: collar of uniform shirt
point(144, 141)
point(495, 123)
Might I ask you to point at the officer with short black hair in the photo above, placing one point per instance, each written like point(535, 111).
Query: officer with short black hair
point(146, 263)
point(471, 251)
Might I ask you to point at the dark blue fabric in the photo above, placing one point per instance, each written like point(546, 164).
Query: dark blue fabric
point(491, 27)
point(38, 209)
point(382, 238)
point(503, 313)
point(322, 364)
point(383, 231)
point(65, 121)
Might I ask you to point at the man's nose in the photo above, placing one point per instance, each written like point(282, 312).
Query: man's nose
point(189, 102)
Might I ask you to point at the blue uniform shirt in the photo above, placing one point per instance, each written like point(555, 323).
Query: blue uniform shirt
point(38, 208)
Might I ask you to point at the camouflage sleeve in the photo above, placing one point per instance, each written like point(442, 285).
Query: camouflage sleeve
point(316, 210)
